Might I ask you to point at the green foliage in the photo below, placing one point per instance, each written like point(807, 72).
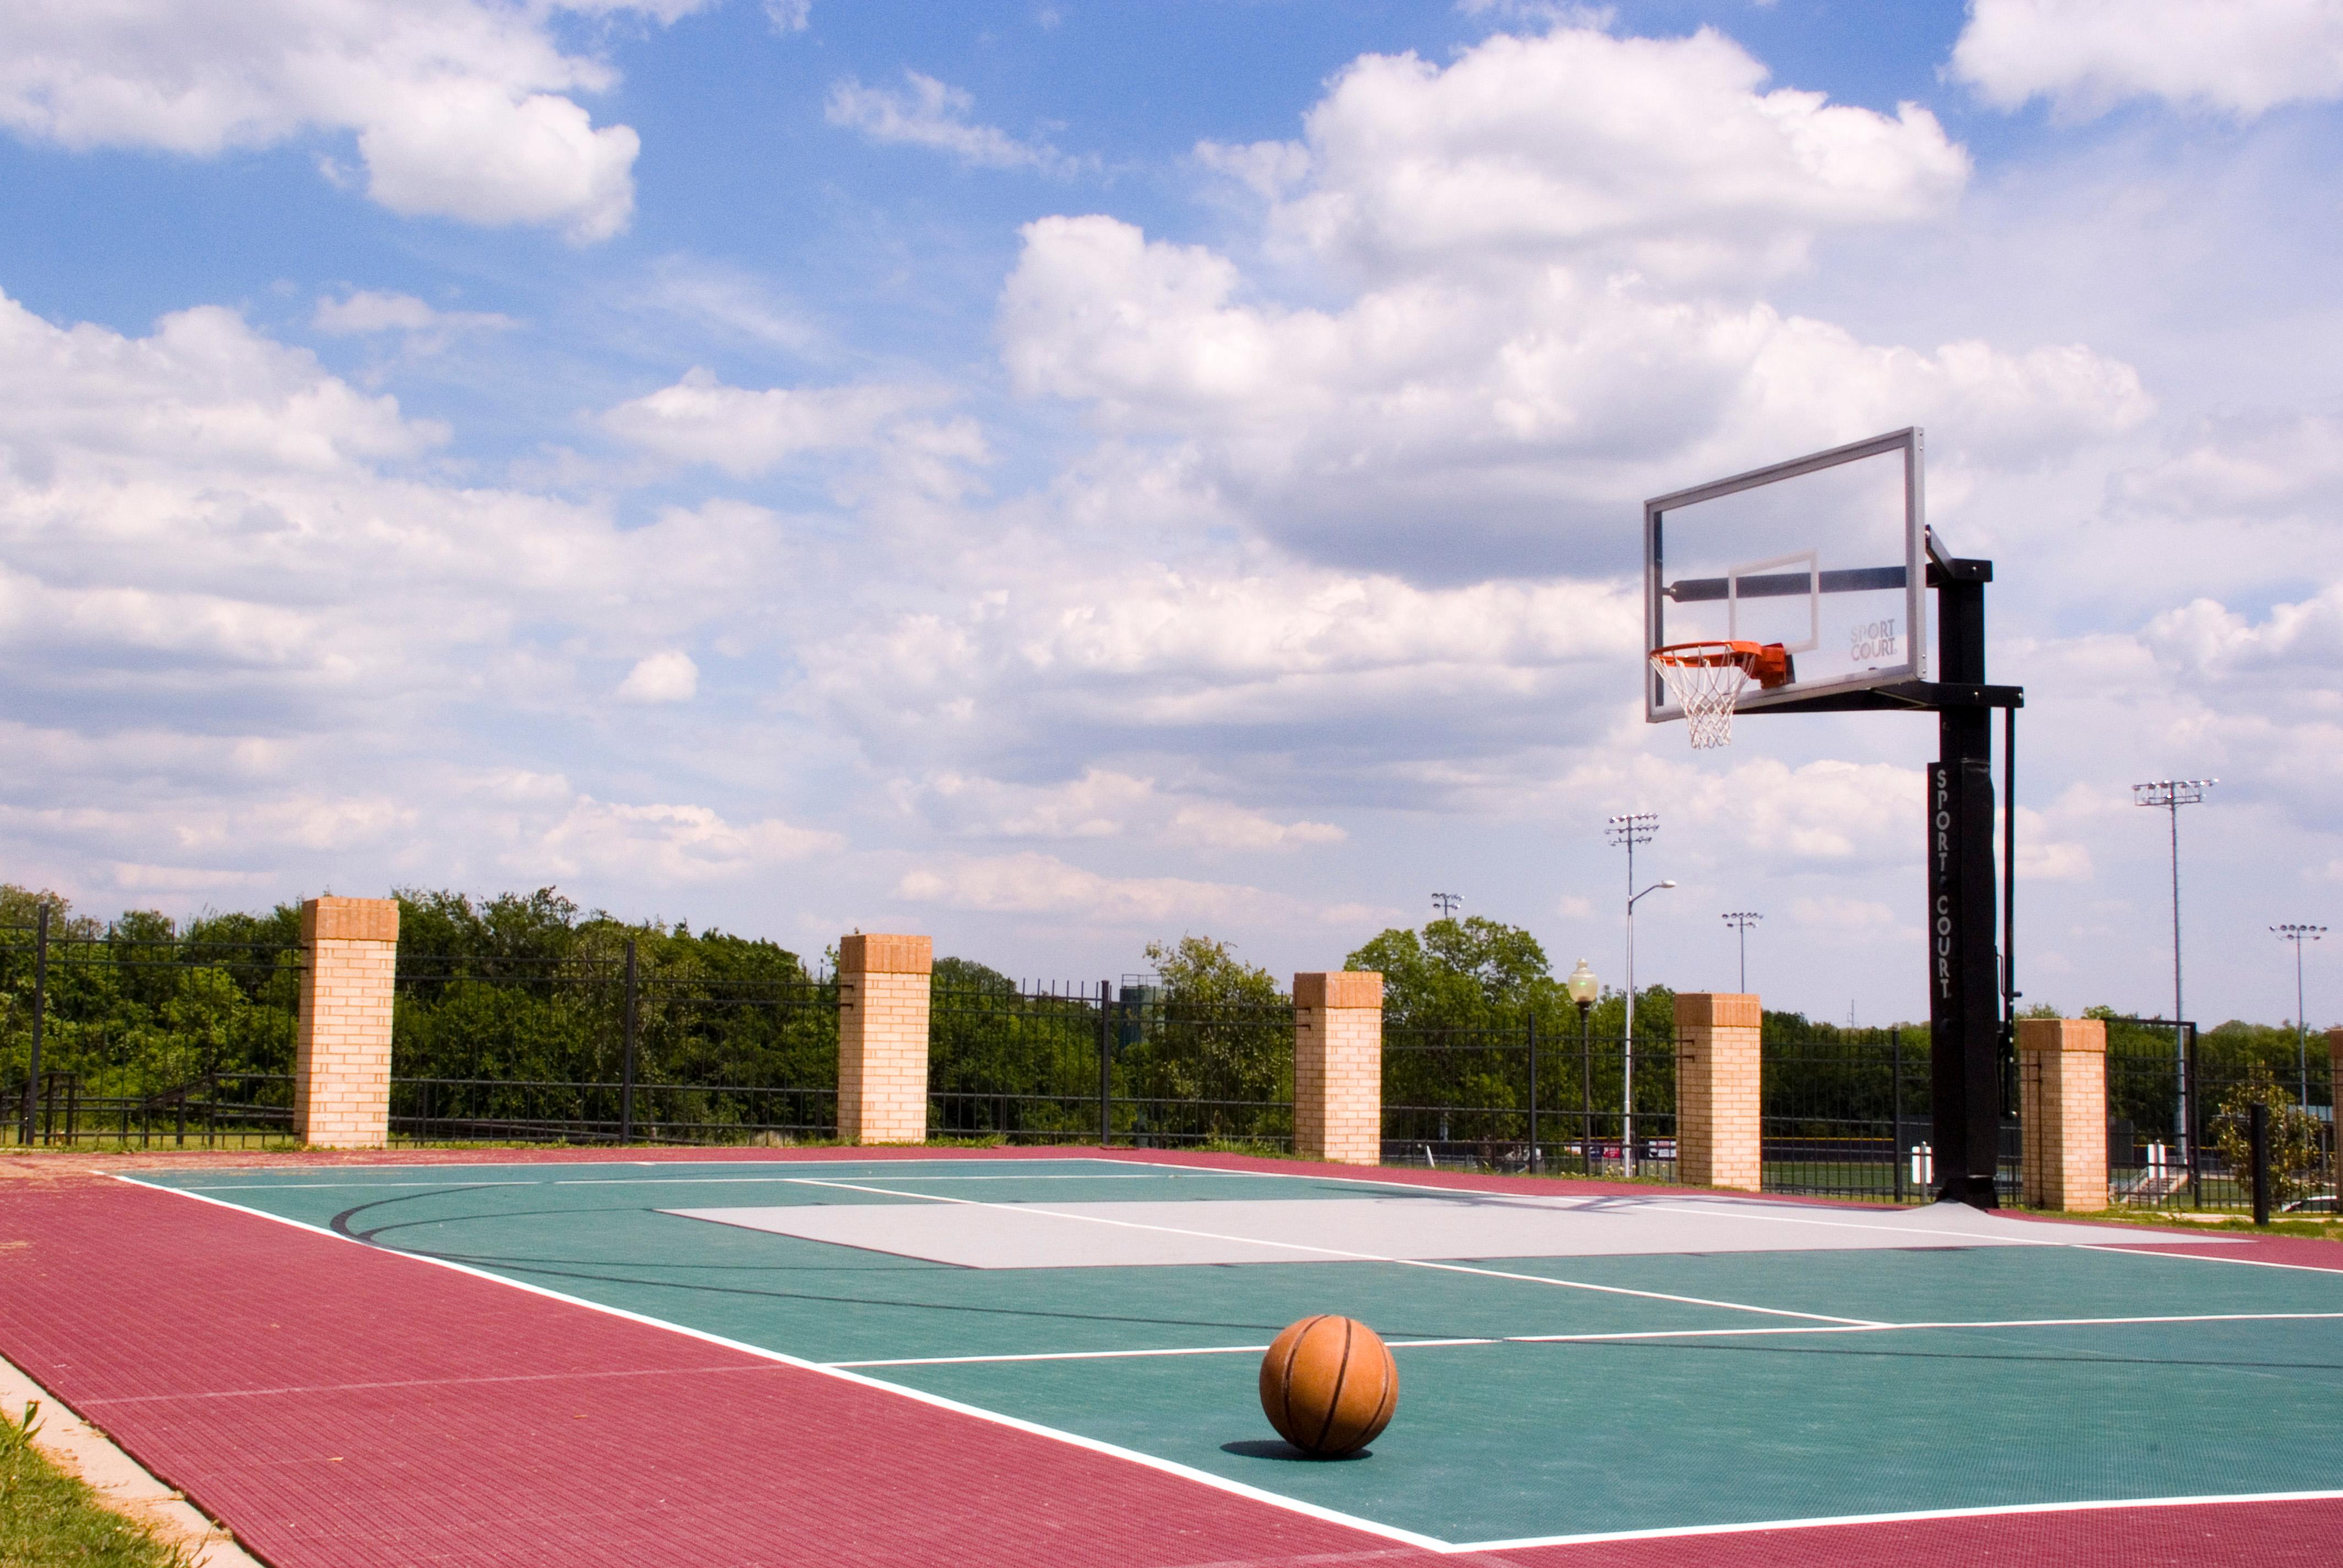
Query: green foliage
point(1472, 973)
point(1220, 1031)
point(1827, 1082)
point(49, 1517)
point(1461, 1001)
point(2295, 1159)
point(141, 1006)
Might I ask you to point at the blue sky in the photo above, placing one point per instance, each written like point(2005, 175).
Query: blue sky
point(1061, 475)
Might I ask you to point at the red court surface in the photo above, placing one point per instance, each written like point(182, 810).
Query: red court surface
point(335, 1404)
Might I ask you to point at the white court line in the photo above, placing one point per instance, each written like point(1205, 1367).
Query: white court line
point(1223, 1483)
point(1637, 1334)
point(918, 1396)
point(1343, 1253)
point(1916, 1515)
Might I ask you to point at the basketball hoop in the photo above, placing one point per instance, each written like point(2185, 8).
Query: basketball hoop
point(1706, 677)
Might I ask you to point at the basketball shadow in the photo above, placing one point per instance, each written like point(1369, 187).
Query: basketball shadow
point(1278, 1448)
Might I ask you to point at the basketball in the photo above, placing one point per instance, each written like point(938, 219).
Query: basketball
point(1329, 1386)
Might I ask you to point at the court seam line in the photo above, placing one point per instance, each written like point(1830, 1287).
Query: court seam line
point(1343, 1252)
point(404, 1383)
point(918, 1396)
point(1623, 1335)
point(1983, 1511)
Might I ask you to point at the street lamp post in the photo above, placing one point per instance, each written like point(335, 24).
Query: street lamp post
point(1584, 990)
point(1627, 1056)
point(2169, 795)
point(2298, 935)
point(1741, 920)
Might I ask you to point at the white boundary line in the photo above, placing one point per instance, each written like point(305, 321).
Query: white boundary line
point(1628, 1336)
point(1239, 1489)
point(1330, 1253)
point(920, 1396)
point(1910, 1516)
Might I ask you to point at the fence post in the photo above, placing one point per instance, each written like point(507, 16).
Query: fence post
point(341, 1072)
point(626, 1067)
point(1533, 1098)
point(1719, 1071)
point(882, 1038)
point(40, 1006)
point(2192, 1117)
point(1106, 1064)
point(2258, 1133)
point(1338, 1067)
point(2062, 1113)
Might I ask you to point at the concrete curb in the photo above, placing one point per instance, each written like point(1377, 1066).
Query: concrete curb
point(122, 1483)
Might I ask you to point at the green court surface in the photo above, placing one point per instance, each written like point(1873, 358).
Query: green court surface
point(1644, 1363)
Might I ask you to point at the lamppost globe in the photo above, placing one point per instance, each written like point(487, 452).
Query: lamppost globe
point(1583, 987)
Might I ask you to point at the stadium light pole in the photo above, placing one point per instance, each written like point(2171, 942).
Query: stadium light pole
point(2298, 935)
point(1627, 1055)
point(1626, 832)
point(1741, 920)
point(2169, 795)
point(1446, 904)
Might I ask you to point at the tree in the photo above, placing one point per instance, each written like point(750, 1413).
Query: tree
point(2294, 1134)
point(1220, 1031)
point(1472, 973)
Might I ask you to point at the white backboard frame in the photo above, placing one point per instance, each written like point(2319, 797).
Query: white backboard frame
point(1660, 707)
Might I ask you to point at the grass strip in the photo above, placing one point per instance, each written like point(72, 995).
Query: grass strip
point(51, 1519)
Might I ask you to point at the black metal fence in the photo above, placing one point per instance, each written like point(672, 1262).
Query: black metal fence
point(1528, 1097)
point(116, 1031)
point(1048, 1064)
point(1844, 1112)
point(2176, 1104)
point(602, 1047)
point(222, 1109)
point(1848, 1113)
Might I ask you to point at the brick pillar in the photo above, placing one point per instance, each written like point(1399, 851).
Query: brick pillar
point(2335, 1062)
point(341, 1065)
point(1718, 1084)
point(1338, 1067)
point(882, 1038)
point(2062, 1083)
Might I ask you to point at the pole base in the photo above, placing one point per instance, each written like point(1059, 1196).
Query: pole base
point(1977, 1191)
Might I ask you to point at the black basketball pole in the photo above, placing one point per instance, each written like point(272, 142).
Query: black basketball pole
point(1964, 999)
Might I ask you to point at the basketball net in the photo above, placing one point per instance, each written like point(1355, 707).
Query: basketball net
point(1706, 678)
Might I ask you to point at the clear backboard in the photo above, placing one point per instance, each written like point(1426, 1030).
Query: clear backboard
point(1820, 560)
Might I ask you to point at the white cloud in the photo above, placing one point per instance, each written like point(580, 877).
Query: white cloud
point(460, 107)
point(1360, 672)
point(1857, 918)
point(2244, 58)
point(214, 512)
point(935, 114)
point(668, 844)
point(789, 15)
point(1036, 884)
point(669, 677)
point(1667, 155)
point(368, 312)
point(1475, 425)
point(1105, 804)
point(743, 432)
